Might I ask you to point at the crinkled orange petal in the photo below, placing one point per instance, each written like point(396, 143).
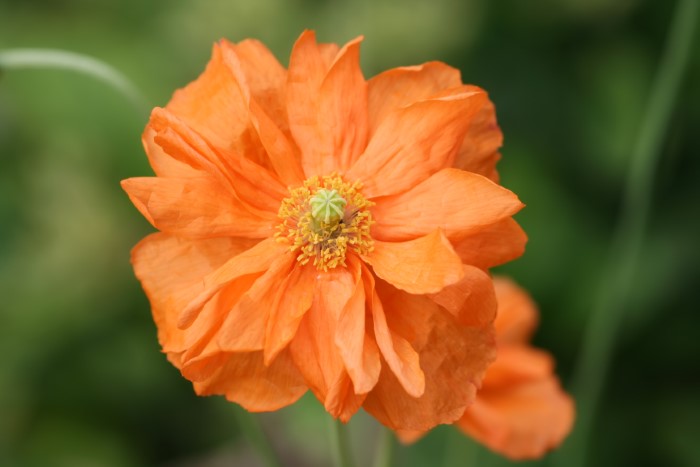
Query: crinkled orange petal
point(515, 364)
point(479, 151)
point(171, 269)
point(252, 261)
point(493, 245)
point(200, 342)
point(415, 322)
point(424, 265)
point(402, 86)
point(203, 366)
point(245, 325)
point(453, 358)
point(202, 334)
point(342, 402)
point(329, 128)
point(296, 294)
point(284, 155)
point(396, 350)
point(517, 314)
point(262, 82)
point(314, 348)
point(184, 145)
point(250, 182)
point(263, 77)
point(195, 208)
point(214, 106)
point(520, 417)
point(458, 202)
point(244, 379)
point(252, 107)
point(416, 141)
point(163, 164)
point(308, 66)
point(357, 347)
point(204, 353)
point(398, 353)
point(472, 300)
point(344, 118)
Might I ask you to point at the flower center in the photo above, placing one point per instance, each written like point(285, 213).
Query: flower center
point(327, 206)
point(323, 219)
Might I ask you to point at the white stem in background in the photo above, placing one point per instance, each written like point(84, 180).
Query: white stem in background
point(61, 59)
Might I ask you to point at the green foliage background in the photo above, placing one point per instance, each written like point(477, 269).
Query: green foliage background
point(82, 381)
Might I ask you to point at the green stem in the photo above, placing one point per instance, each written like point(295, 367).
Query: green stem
point(254, 433)
point(340, 444)
point(14, 59)
point(385, 449)
point(460, 450)
point(626, 247)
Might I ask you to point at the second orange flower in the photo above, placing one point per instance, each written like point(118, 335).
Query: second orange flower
point(322, 231)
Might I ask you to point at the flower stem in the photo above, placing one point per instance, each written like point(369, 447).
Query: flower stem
point(385, 449)
point(340, 444)
point(626, 247)
point(460, 451)
point(253, 431)
point(13, 59)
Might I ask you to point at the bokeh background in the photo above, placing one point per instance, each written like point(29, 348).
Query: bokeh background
point(82, 381)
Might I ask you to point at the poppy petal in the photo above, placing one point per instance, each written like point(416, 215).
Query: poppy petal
point(195, 208)
point(472, 300)
point(424, 265)
point(245, 325)
point(517, 313)
point(453, 200)
point(308, 66)
point(521, 419)
point(252, 261)
point(314, 348)
point(296, 295)
point(265, 99)
point(402, 86)
point(479, 151)
point(284, 155)
point(244, 379)
point(493, 245)
point(453, 357)
point(416, 141)
point(357, 348)
point(515, 364)
point(250, 182)
point(330, 129)
point(398, 353)
point(396, 350)
point(163, 164)
point(343, 119)
point(261, 76)
point(409, 436)
point(202, 334)
point(171, 269)
point(214, 106)
point(342, 401)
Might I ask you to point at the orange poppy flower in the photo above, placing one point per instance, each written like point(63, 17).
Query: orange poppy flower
point(320, 231)
point(520, 411)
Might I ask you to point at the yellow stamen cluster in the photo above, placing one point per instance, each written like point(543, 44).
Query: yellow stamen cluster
point(323, 219)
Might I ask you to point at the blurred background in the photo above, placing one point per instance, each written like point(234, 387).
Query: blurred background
point(82, 380)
